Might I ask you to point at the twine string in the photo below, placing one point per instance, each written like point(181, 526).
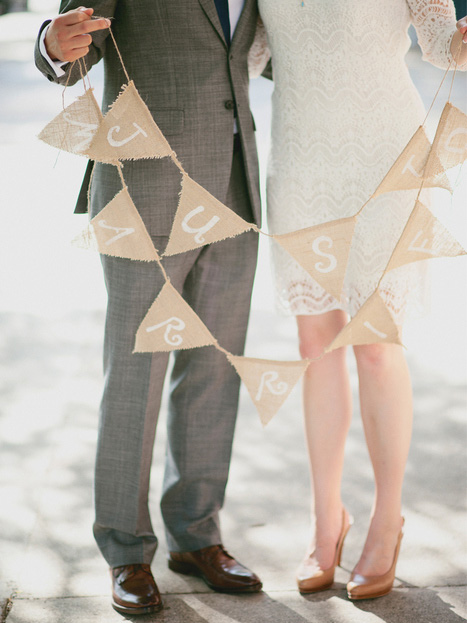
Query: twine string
point(119, 54)
point(437, 92)
point(456, 62)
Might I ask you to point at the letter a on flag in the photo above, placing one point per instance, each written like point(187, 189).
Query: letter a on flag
point(450, 142)
point(323, 251)
point(119, 230)
point(74, 128)
point(128, 132)
point(201, 219)
point(269, 383)
point(407, 172)
point(424, 237)
point(371, 324)
point(171, 324)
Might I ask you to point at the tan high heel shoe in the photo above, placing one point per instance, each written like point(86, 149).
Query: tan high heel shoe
point(311, 578)
point(372, 586)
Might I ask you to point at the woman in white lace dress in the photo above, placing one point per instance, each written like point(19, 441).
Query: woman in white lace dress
point(344, 107)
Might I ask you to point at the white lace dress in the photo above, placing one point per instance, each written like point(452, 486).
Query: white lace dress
point(343, 108)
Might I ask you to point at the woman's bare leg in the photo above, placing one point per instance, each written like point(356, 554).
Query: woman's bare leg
point(327, 403)
point(386, 407)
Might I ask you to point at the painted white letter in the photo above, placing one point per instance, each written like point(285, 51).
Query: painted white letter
point(174, 323)
point(332, 260)
point(267, 380)
point(120, 231)
point(199, 231)
point(116, 128)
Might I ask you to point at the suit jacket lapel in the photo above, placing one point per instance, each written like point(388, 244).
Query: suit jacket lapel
point(247, 20)
point(210, 9)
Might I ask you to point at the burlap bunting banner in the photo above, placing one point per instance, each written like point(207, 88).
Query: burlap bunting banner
point(269, 383)
point(171, 324)
point(450, 142)
point(323, 251)
point(119, 230)
point(128, 132)
point(201, 219)
point(407, 172)
point(73, 129)
point(372, 323)
point(424, 237)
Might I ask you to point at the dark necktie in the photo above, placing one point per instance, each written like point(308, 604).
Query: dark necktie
point(222, 7)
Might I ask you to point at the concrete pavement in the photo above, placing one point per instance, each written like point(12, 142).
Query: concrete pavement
point(51, 318)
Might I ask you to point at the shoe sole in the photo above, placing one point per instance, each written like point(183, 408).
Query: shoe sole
point(186, 568)
point(368, 595)
point(137, 610)
point(308, 591)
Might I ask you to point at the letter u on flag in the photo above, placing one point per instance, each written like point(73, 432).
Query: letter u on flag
point(372, 323)
point(128, 132)
point(269, 383)
point(323, 251)
point(424, 237)
point(201, 219)
point(74, 128)
point(119, 230)
point(171, 324)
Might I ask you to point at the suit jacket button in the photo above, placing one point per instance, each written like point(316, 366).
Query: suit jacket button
point(229, 104)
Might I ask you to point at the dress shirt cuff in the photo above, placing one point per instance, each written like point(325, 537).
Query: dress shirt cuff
point(56, 65)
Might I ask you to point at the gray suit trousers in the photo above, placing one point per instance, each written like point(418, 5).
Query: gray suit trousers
point(216, 281)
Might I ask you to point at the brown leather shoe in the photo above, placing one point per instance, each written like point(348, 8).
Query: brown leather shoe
point(134, 590)
point(217, 568)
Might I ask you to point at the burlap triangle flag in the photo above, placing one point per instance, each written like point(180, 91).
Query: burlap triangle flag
point(269, 383)
point(450, 142)
point(201, 219)
point(128, 131)
point(171, 324)
point(119, 230)
point(323, 251)
point(424, 237)
point(407, 172)
point(371, 324)
point(74, 128)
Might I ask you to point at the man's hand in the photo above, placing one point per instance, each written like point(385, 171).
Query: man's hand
point(68, 37)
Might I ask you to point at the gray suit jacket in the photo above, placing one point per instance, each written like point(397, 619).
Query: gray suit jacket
point(175, 52)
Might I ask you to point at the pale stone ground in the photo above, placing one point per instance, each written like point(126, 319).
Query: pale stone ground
point(51, 317)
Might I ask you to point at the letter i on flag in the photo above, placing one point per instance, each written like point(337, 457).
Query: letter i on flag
point(269, 383)
point(372, 323)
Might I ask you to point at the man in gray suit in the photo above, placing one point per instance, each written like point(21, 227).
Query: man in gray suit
point(188, 59)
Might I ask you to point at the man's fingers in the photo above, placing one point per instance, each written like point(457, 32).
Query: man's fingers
point(74, 55)
point(82, 16)
point(74, 17)
point(69, 34)
point(83, 28)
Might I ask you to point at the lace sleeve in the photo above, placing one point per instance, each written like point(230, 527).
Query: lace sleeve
point(259, 53)
point(435, 23)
